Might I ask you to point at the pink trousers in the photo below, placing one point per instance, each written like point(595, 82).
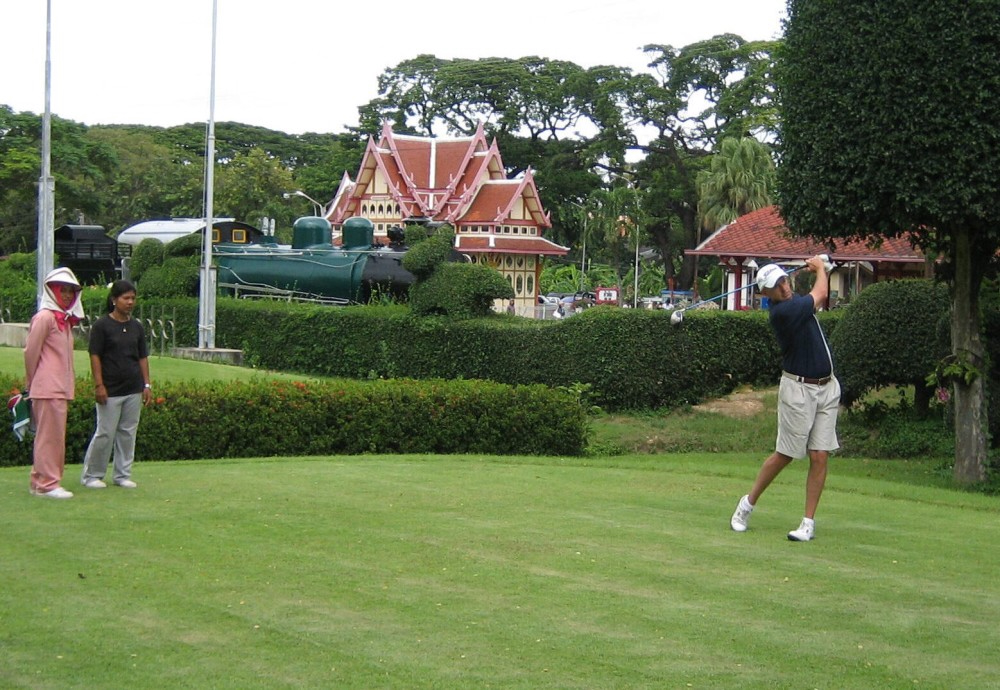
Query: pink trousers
point(49, 457)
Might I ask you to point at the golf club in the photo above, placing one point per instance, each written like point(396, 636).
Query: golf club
point(677, 316)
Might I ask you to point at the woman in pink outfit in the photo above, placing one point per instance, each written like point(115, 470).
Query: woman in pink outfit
point(50, 378)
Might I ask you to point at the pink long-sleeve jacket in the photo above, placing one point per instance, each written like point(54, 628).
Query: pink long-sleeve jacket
point(48, 358)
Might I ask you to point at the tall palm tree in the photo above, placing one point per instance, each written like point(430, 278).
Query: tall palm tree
point(739, 179)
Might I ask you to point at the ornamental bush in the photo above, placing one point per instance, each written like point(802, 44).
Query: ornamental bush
point(894, 333)
point(146, 254)
point(177, 276)
point(265, 418)
point(444, 286)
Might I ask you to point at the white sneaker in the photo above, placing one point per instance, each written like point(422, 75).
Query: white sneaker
point(126, 484)
point(57, 492)
point(741, 518)
point(805, 532)
point(95, 484)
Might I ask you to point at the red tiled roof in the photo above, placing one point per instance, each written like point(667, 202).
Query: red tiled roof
point(498, 244)
point(763, 234)
point(490, 202)
point(458, 181)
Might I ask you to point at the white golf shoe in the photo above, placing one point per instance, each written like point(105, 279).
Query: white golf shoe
point(805, 532)
point(741, 518)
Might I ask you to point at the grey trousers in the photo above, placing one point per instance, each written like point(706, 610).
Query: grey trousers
point(117, 422)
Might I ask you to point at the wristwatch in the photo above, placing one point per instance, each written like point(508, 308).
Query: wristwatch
point(148, 386)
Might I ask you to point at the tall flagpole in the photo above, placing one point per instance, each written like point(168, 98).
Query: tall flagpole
point(46, 183)
point(206, 299)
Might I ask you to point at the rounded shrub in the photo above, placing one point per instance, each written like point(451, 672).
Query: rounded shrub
point(145, 255)
point(189, 245)
point(891, 335)
point(176, 277)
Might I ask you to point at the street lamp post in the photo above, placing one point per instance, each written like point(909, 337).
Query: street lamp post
point(635, 288)
point(317, 207)
point(583, 257)
point(638, 212)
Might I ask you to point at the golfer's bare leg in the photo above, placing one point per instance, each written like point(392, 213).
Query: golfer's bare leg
point(815, 480)
point(768, 471)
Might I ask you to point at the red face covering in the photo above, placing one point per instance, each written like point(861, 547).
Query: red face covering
point(65, 300)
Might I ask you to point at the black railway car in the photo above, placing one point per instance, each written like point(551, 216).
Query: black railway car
point(88, 251)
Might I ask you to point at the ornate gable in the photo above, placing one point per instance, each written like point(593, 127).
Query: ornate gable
point(461, 181)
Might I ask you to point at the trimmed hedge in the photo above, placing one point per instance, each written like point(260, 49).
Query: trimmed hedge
point(275, 418)
point(629, 358)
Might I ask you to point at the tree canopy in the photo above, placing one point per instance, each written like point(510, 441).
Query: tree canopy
point(891, 127)
point(581, 130)
point(118, 175)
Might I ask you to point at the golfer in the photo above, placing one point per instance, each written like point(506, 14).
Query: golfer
point(808, 394)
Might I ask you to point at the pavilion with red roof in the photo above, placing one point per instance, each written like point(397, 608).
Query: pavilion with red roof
point(460, 181)
point(761, 237)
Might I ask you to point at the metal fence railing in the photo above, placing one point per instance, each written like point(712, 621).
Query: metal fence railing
point(161, 332)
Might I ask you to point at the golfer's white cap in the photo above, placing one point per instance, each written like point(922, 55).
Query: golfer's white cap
point(769, 276)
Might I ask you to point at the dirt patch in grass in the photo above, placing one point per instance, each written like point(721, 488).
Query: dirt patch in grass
point(740, 404)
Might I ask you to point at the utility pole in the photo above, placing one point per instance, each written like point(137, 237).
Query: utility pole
point(46, 183)
point(206, 295)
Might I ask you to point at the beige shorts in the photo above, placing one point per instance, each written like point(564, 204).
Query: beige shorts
point(807, 417)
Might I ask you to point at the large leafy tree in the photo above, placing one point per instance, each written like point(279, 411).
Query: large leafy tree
point(559, 119)
point(160, 172)
point(574, 126)
point(80, 167)
point(145, 183)
point(316, 161)
point(251, 186)
point(696, 96)
point(892, 128)
point(739, 179)
point(617, 223)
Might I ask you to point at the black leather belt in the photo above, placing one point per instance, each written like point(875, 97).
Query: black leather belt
point(805, 379)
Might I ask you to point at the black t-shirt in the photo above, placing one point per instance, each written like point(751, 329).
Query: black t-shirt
point(120, 345)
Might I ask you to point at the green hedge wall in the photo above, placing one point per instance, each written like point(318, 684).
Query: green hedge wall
point(630, 359)
point(271, 418)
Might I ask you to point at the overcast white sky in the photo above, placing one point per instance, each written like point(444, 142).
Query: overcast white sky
point(306, 65)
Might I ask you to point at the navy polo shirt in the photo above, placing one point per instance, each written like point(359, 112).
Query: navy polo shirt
point(803, 348)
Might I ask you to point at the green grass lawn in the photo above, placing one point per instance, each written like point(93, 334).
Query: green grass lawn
point(478, 572)
point(160, 368)
point(471, 572)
